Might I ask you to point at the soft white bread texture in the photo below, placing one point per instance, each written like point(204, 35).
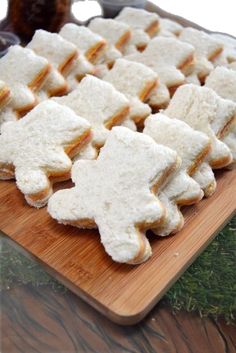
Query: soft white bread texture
point(169, 27)
point(36, 148)
point(137, 82)
point(159, 97)
point(60, 53)
point(98, 102)
point(204, 176)
point(116, 33)
point(201, 108)
point(87, 42)
point(192, 146)
point(53, 47)
point(24, 72)
point(166, 56)
point(132, 79)
point(229, 45)
point(80, 68)
point(139, 40)
point(139, 19)
point(114, 193)
point(223, 82)
point(143, 24)
point(206, 47)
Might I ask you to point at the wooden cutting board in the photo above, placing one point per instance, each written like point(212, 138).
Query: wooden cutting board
point(124, 293)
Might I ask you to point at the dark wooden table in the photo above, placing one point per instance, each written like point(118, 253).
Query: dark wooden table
point(46, 320)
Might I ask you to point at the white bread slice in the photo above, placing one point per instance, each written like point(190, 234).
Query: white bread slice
point(115, 33)
point(167, 57)
point(80, 68)
point(115, 194)
point(168, 26)
point(58, 51)
point(137, 82)
point(132, 79)
point(61, 54)
point(206, 47)
point(35, 149)
point(87, 42)
point(143, 24)
point(139, 19)
point(193, 147)
point(201, 108)
point(229, 46)
point(100, 103)
point(223, 81)
point(24, 72)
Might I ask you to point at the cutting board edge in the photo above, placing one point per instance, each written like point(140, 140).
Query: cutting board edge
point(115, 316)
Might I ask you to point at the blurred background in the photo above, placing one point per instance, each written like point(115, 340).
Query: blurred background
point(214, 15)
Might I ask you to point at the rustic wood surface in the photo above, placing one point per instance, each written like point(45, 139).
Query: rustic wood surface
point(123, 293)
point(38, 320)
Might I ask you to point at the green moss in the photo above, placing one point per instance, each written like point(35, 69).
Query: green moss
point(208, 286)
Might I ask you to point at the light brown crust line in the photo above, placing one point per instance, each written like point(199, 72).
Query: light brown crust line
point(117, 118)
point(21, 112)
point(39, 79)
point(221, 163)
point(140, 256)
point(226, 129)
point(210, 189)
point(178, 227)
point(66, 65)
point(188, 202)
point(79, 77)
point(39, 196)
point(82, 223)
point(94, 53)
point(144, 226)
point(187, 62)
point(214, 55)
point(141, 227)
point(156, 107)
point(79, 144)
point(152, 28)
point(199, 159)
point(139, 120)
point(165, 176)
point(4, 95)
point(172, 89)
point(60, 91)
point(147, 90)
point(123, 40)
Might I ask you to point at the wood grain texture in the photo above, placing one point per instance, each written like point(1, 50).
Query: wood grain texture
point(123, 293)
point(38, 320)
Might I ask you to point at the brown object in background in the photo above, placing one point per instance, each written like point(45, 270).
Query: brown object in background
point(25, 16)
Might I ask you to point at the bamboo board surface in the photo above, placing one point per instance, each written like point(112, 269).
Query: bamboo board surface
point(124, 293)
